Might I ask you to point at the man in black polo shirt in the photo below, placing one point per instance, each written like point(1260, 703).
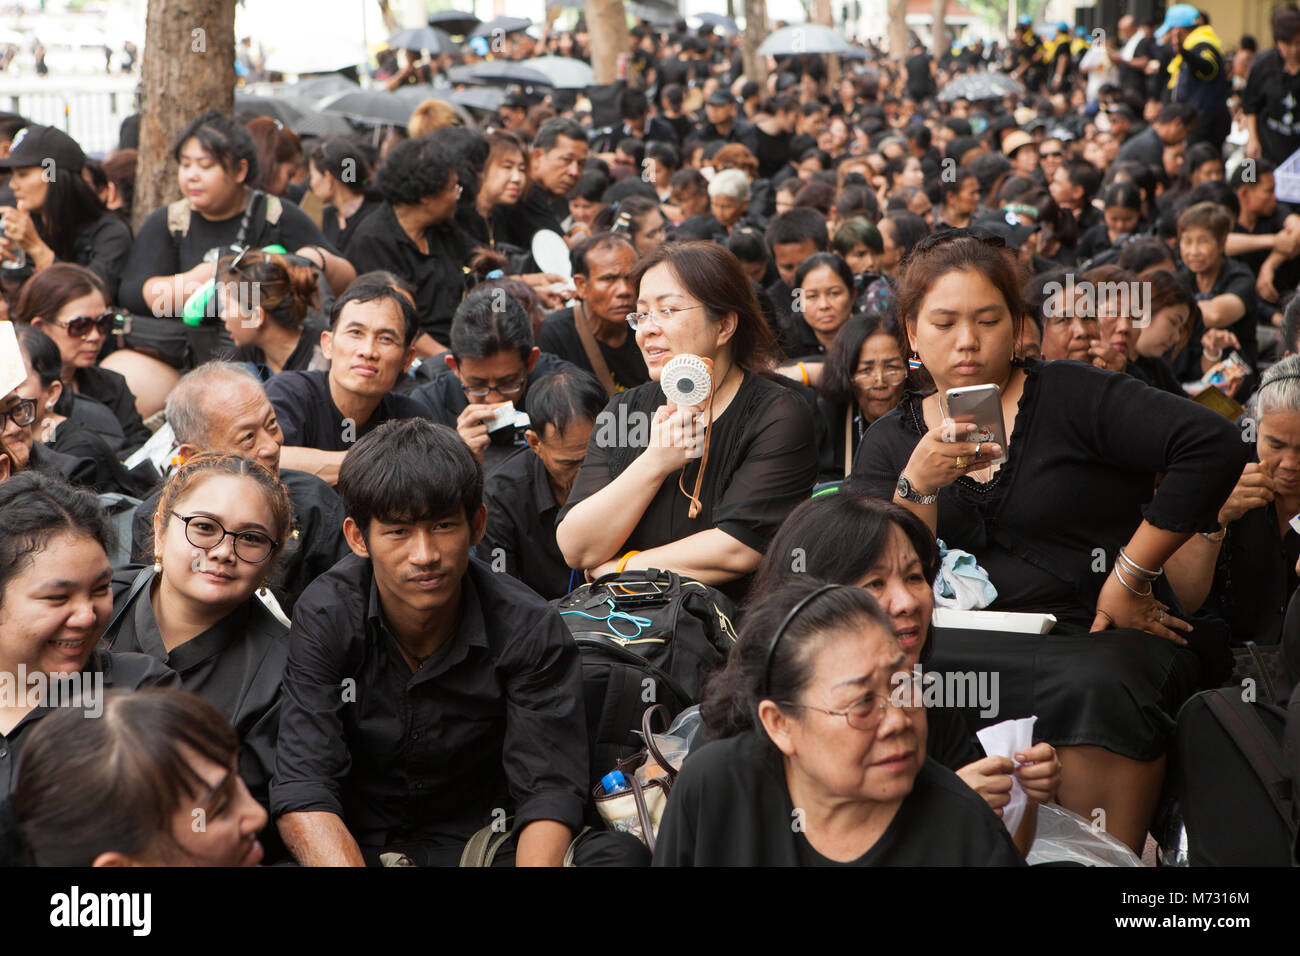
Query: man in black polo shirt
point(221, 407)
point(558, 158)
point(602, 268)
point(414, 235)
point(492, 361)
point(635, 123)
point(426, 697)
point(1171, 126)
point(526, 493)
point(322, 414)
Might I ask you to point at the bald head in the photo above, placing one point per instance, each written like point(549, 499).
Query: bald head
point(222, 407)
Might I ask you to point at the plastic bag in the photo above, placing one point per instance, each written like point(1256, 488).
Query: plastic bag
point(1065, 837)
point(674, 745)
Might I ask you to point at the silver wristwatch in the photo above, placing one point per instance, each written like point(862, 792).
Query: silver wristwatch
point(908, 493)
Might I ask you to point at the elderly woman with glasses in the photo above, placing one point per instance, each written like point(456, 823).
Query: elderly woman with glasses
point(696, 488)
point(820, 757)
point(1066, 519)
point(221, 522)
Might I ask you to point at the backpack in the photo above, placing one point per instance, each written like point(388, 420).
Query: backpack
point(646, 637)
point(178, 216)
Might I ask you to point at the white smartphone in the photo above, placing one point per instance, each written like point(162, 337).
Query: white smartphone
point(981, 405)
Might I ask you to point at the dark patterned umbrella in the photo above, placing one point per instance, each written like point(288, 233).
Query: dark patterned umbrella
point(979, 86)
point(429, 39)
point(454, 22)
point(719, 22)
point(500, 26)
point(372, 107)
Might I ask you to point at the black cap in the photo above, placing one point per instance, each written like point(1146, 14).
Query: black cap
point(720, 97)
point(518, 101)
point(37, 145)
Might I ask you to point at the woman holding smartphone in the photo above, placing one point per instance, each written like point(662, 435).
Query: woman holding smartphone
point(1067, 525)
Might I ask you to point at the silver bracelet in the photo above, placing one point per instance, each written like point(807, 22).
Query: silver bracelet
point(1128, 587)
point(1137, 568)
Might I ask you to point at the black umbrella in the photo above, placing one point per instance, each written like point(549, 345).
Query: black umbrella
point(651, 11)
point(430, 39)
point(454, 22)
point(719, 22)
point(372, 107)
point(275, 107)
point(979, 86)
point(315, 87)
point(488, 99)
point(500, 26)
point(503, 71)
point(322, 125)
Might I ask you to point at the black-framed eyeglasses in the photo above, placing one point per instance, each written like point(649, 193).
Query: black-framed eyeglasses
point(22, 414)
point(79, 326)
point(206, 533)
point(506, 389)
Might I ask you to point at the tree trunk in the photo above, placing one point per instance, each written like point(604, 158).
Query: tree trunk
point(938, 33)
point(391, 23)
point(898, 48)
point(188, 67)
point(755, 33)
point(822, 15)
point(607, 24)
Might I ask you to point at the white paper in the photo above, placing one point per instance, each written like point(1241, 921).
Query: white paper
point(1006, 740)
point(12, 370)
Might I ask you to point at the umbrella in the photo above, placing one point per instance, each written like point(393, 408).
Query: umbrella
point(979, 86)
point(373, 107)
point(562, 72)
point(501, 71)
point(315, 87)
point(454, 22)
point(652, 12)
point(276, 108)
point(719, 22)
point(500, 26)
point(485, 98)
point(431, 39)
point(804, 38)
point(322, 125)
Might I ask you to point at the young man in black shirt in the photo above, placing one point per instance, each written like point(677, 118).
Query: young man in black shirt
point(722, 123)
point(1271, 99)
point(601, 269)
point(425, 696)
point(492, 361)
point(322, 414)
point(792, 237)
point(525, 494)
point(558, 158)
point(1169, 128)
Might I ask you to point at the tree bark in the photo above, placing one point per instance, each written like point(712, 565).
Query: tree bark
point(755, 33)
point(938, 32)
point(607, 24)
point(898, 49)
point(822, 15)
point(188, 67)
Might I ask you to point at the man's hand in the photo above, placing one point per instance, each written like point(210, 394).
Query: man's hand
point(319, 838)
point(472, 427)
point(1254, 489)
point(1264, 283)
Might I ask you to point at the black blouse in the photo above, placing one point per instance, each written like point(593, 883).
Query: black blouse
point(730, 806)
point(1254, 577)
point(1084, 454)
point(762, 462)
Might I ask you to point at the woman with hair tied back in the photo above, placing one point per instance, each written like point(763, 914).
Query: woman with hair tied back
point(339, 176)
point(264, 299)
point(819, 756)
point(695, 489)
point(128, 788)
point(1067, 525)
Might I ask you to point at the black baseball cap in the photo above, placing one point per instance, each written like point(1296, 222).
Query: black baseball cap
point(720, 97)
point(35, 145)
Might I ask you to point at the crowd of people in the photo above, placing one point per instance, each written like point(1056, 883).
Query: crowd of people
point(298, 465)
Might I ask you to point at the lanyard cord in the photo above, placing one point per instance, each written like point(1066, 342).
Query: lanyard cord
point(640, 623)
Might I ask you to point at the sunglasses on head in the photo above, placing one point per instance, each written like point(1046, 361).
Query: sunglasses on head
point(79, 326)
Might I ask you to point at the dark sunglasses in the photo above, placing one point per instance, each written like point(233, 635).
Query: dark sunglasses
point(79, 326)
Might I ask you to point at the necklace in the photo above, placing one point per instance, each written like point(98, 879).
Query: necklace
point(418, 659)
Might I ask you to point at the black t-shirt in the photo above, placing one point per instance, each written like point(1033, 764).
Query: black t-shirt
point(773, 152)
point(731, 806)
point(299, 360)
point(920, 83)
point(1287, 275)
point(1233, 278)
point(559, 336)
point(520, 533)
point(338, 237)
point(103, 247)
point(110, 389)
point(310, 419)
point(1272, 96)
point(1144, 147)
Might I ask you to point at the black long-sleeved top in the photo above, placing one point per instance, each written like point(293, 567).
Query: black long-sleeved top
point(1085, 451)
point(730, 806)
point(103, 247)
point(121, 671)
point(235, 665)
point(110, 389)
point(318, 546)
point(495, 719)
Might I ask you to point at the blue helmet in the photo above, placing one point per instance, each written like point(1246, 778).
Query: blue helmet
point(1025, 20)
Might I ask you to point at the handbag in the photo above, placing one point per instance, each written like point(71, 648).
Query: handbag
point(639, 809)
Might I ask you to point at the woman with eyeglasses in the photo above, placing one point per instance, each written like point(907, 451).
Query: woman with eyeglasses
point(696, 489)
point(1063, 519)
point(862, 379)
point(341, 179)
point(69, 303)
point(57, 216)
point(269, 307)
point(819, 752)
point(55, 601)
point(220, 524)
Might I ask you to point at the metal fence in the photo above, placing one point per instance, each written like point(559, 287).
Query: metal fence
point(91, 113)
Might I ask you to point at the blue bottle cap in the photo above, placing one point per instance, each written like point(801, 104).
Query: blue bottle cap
point(614, 781)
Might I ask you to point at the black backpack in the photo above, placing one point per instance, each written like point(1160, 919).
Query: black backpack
point(646, 637)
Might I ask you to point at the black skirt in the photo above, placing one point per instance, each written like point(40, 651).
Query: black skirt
point(1120, 690)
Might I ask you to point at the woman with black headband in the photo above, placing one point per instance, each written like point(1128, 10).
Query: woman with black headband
point(821, 759)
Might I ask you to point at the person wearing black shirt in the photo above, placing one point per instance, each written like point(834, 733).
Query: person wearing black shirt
point(1272, 93)
point(723, 123)
point(426, 697)
point(322, 414)
point(525, 494)
point(268, 327)
point(1169, 128)
point(55, 588)
point(792, 237)
point(920, 74)
point(1224, 288)
point(339, 176)
point(414, 235)
point(602, 266)
point(1136, 50)
point(1264, 237)
point(807, 743)
point(772, 134)
point(492, 361)
point(558, 157)
point(636, 123)
point(222, 408)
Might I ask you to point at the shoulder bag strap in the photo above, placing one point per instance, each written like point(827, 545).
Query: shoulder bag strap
point(141, 579)
point(592, 348)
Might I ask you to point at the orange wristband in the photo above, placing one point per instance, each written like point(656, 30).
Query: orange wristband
point(622, 562)
point(803, 371)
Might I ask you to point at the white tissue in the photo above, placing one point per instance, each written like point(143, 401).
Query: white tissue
point(1006, 740)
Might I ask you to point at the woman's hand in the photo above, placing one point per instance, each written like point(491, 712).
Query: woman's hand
point(1214, 341)
point(541, 283)
point(1039, 772)
point(676, 436)
point(1254, 489)
point(990, 777)
point(20, 229)
point(937, 463)
point(1102, 355)
point(1118, 607)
